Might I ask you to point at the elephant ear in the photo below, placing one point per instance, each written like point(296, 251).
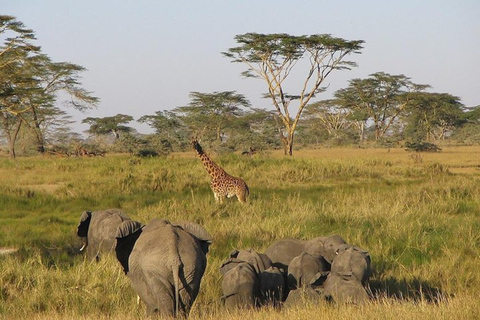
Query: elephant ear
point(318, 279)
point(82, 228)
point(197, 231)
point(234, 253)
point(127, 228)
point(127, 234)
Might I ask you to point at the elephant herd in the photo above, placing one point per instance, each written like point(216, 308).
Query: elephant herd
point(165, 262)
point(291, 270)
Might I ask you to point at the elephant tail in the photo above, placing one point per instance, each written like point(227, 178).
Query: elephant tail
point(176, 283)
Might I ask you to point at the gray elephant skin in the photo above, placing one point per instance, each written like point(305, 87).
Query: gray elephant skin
point(165, 263)
point(352, 260)
point(304, 269)
point(249, 280)
point(325, 247)
point(239, 284)
point(344, 288)
point(272, 286)
point(282, 251)
point(259, 261)
point(97, 230)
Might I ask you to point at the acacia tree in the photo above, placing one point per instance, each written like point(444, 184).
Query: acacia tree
point(326, 114)
point(168, 126)
point(272, 58)
point(109, 125)
point(383, 97)
point(430, 115)
point(53, 78)
point(30, 83)
point(15, 52)
point(212, 113)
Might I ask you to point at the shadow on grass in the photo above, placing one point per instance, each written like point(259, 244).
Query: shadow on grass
point(415, 290)
point(61, 257)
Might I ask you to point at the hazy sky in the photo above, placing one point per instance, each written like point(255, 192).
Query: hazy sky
point(145, 56)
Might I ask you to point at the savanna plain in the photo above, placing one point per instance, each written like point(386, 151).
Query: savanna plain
point(416, 213)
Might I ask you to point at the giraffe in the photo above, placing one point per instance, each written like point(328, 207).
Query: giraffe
point(223, 185)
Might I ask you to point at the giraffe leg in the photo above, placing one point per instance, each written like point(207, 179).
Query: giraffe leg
point(241, 196)
point(218, 197)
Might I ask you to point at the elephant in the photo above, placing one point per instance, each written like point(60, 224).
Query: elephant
point(304, 269)
point(259, 261)
point(272, 286)
point(97, 230)
point(344, 288)
point(164, 262)
point(324, 246)
point(354, 260)
point(240, 286)
point(282, 251)
point(229, 264)
point(302, 295)
point(315, 246)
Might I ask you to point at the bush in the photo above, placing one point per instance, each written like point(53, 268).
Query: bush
point(147, 153)
point(422, 146)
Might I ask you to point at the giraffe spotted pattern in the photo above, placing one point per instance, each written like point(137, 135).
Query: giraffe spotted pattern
point(223, 185)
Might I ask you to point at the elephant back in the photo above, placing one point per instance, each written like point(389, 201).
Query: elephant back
point(103, 228)
point(169, 261)
point(352, 260)
point(259, 261)
point(344, 289)
point(282, 251)
point(197, 231)
point(304, 268)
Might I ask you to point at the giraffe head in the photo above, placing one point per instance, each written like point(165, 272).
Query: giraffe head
point(196, 146)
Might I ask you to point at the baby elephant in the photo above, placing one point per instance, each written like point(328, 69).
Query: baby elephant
point(272, 286)
point(282, 251)
point(239, 284)
point(165, 263)
point(344, 288)
point(304, 269)
point(97, 230)
point(352, 260)
point(259, 261)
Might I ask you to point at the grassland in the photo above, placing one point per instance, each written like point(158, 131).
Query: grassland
point(418, 215)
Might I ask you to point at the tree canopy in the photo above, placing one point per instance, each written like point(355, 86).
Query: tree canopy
point(272, 57)
point(106, 125)
point(381, 96)
point(213, 113)
point(30, 84)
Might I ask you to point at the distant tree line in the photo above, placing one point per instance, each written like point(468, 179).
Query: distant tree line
point(383, 109)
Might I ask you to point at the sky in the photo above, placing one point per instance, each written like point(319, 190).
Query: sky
point(145, 56)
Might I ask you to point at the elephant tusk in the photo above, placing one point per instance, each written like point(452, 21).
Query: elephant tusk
point(83, 247)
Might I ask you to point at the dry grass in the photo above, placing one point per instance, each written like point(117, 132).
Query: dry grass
point(418, 217)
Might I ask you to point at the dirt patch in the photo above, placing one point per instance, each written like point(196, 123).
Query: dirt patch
point(7, 250)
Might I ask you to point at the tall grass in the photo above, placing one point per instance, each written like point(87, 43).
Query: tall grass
point(418, 217)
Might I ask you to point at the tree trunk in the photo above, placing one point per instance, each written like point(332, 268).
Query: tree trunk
point(38, 132)
point(11, 136)
point(362, 132)
point(288, 143)
point(284, 143)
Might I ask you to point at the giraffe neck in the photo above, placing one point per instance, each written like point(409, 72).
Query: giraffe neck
point(212, 168)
